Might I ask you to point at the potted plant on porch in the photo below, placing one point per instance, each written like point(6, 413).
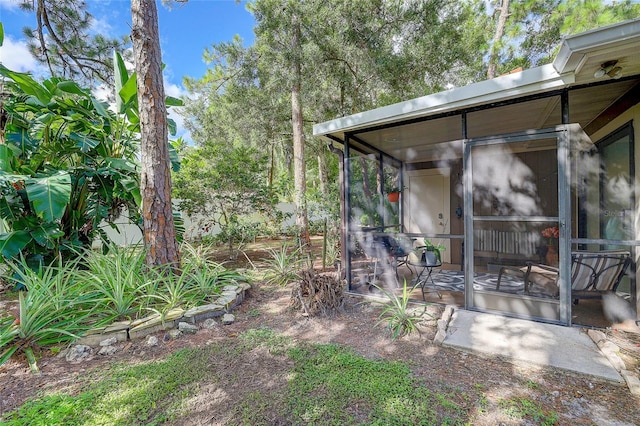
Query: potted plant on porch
point(394, 194)
point(436, 249)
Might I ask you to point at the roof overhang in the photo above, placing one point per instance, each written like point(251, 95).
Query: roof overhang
point(527, 82)
point(578, 59)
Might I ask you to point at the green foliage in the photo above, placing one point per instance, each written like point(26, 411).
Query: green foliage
point(65, 42)
point(399, 318)
point(53, 311)
point(228, 187)
point(206, 277)
point(68, 164)
point(524, 409)
point(284, 265)
point(329, 379)
point(118, 280)
point(97, 288)
point(150, 394)
point(199, 281)
point(535, 28)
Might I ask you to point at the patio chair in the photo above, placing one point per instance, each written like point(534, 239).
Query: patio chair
point(379, 252)
point(420, 257)
point(592, 274)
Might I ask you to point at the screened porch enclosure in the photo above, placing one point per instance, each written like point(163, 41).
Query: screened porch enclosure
point(492, 205)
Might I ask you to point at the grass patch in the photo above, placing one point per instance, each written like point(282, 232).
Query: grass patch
point(333, 385)
point(141, 394)
point(323, 385)
point(525, 409)
point(267, 338)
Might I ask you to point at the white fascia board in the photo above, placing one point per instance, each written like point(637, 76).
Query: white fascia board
point(527, 82)
point(574, 48)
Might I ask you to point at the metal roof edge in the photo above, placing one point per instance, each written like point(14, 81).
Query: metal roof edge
point(573, 47)
point(534, 80)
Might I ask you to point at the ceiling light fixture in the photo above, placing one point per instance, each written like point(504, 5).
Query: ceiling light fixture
point(609, 68)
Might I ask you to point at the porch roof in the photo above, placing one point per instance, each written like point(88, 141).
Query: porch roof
point(407, 129)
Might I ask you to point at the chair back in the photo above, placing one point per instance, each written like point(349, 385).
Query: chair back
point(598, 271)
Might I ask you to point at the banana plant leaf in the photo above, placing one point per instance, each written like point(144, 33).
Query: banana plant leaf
point(12, 242)
point(50, 195)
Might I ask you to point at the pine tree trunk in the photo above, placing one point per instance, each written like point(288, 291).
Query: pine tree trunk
point(323, 172)
point(299, 167)
point(155, 180)
point(497, 39)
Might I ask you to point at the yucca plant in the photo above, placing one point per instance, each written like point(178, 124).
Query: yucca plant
point(284, 265)
point(51, 312)
point(396, 314)
point(118, 280)
point(170, 291)
point(209, 278)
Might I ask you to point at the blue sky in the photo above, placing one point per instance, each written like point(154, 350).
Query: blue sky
point(185, 31)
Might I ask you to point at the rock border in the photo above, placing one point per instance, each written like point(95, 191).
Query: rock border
point(230, 297)
point(610, 351)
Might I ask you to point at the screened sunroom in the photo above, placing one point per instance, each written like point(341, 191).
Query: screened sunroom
point(524, 186)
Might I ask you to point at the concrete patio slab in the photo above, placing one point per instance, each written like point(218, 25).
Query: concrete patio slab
point(566, 348)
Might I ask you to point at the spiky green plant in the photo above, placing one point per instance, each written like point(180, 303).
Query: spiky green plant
point(283, 266)
point(54, 310)
point(396, 314)
point(119, 281)
point(170, 291)
point(206, 277)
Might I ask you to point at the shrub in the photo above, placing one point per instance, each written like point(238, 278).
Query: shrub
point(54, 310)
point(398, 317)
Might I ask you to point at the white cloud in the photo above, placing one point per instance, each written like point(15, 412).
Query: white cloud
point(9, 5)
point(173, 89)
point(15, 56)
point(101, 26)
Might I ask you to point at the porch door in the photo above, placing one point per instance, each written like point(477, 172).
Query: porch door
point(516, 193)
point(428, 205)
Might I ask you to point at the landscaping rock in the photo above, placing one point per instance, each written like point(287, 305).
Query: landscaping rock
point(174, 333)
point(632, 382)
point(209, 324)
point(227, 299)
point(152, 341)
point(185, 327)
point(78, 353)
point(94, 337)
point(228, 319)
point(233, 288)
point(107, 350)
point(440, 336)
point(154, 323)
point(201, 313)
point(109, 342)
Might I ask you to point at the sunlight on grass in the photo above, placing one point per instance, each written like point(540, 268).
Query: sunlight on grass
point(319, 384)
point(140, 394)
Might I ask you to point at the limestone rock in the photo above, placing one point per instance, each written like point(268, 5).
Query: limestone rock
point(109, 342)
point(201, 313)
point(107, 350)
point(174, 333)
point(228, 319)
point(152, 341)
point(209, 323)
point(78, 353)
point(185, 327)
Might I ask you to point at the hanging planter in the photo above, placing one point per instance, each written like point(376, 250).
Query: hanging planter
point(393, 196)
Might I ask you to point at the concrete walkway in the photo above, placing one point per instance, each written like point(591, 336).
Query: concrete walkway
point(566, 348)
